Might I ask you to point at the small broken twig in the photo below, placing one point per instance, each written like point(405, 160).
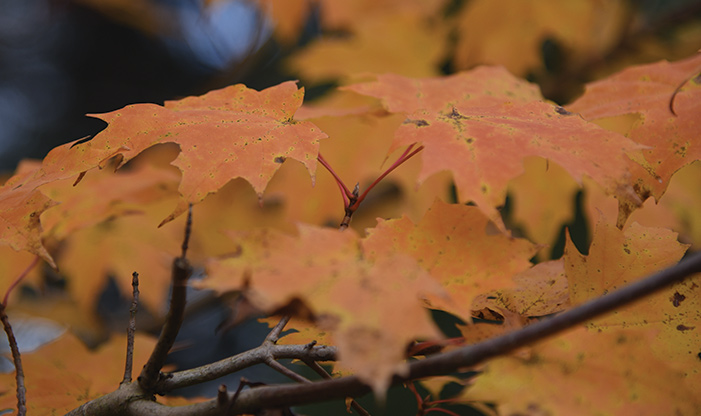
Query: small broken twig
point(131, 329)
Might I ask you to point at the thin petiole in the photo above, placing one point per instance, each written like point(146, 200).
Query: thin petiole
point(408, 154)
point(345, 192)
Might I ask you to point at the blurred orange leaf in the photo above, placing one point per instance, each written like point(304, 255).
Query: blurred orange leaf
point(372, 307)
point(64, 374)
point(452, 243)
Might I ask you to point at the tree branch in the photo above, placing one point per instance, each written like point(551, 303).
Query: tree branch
point(246, 359)
point(150, 374)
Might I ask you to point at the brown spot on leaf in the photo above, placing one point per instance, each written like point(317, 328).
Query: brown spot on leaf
point(418, 122)
point(280, 159)
point(562, 111)
point(677, 299)
point(454, 114)
point(683, 328)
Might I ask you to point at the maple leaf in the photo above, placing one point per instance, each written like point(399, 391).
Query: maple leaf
point(323, 274)
point(224, 134)
point(666, 97)
point(452, 243)
point(676, 210)
point(585, 373)
point(481, 124)
point(617, 258)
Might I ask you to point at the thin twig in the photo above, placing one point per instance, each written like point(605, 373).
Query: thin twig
point(188, 230)
point(17, 359)
point(274, 334)
point(19, 279)
point(270, 362)
point(150, 374)
point(131, 329)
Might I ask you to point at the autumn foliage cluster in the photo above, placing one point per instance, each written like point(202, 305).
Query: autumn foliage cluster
point(487, 175)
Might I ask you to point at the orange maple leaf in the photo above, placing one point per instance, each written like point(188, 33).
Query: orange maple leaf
point(619, 257)
point(667, 97)
point(224, 134)
point(372, 308)
point(481, 124)
point(64, 374)
point(584, 373)
point(452, 243)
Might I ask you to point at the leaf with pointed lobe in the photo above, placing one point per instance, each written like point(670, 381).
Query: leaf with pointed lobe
point(372, 308)
point(224, 134)
point(583, 373)
point(480, 125)
point(666, 97)
point(617, 258)
point(452, 243)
